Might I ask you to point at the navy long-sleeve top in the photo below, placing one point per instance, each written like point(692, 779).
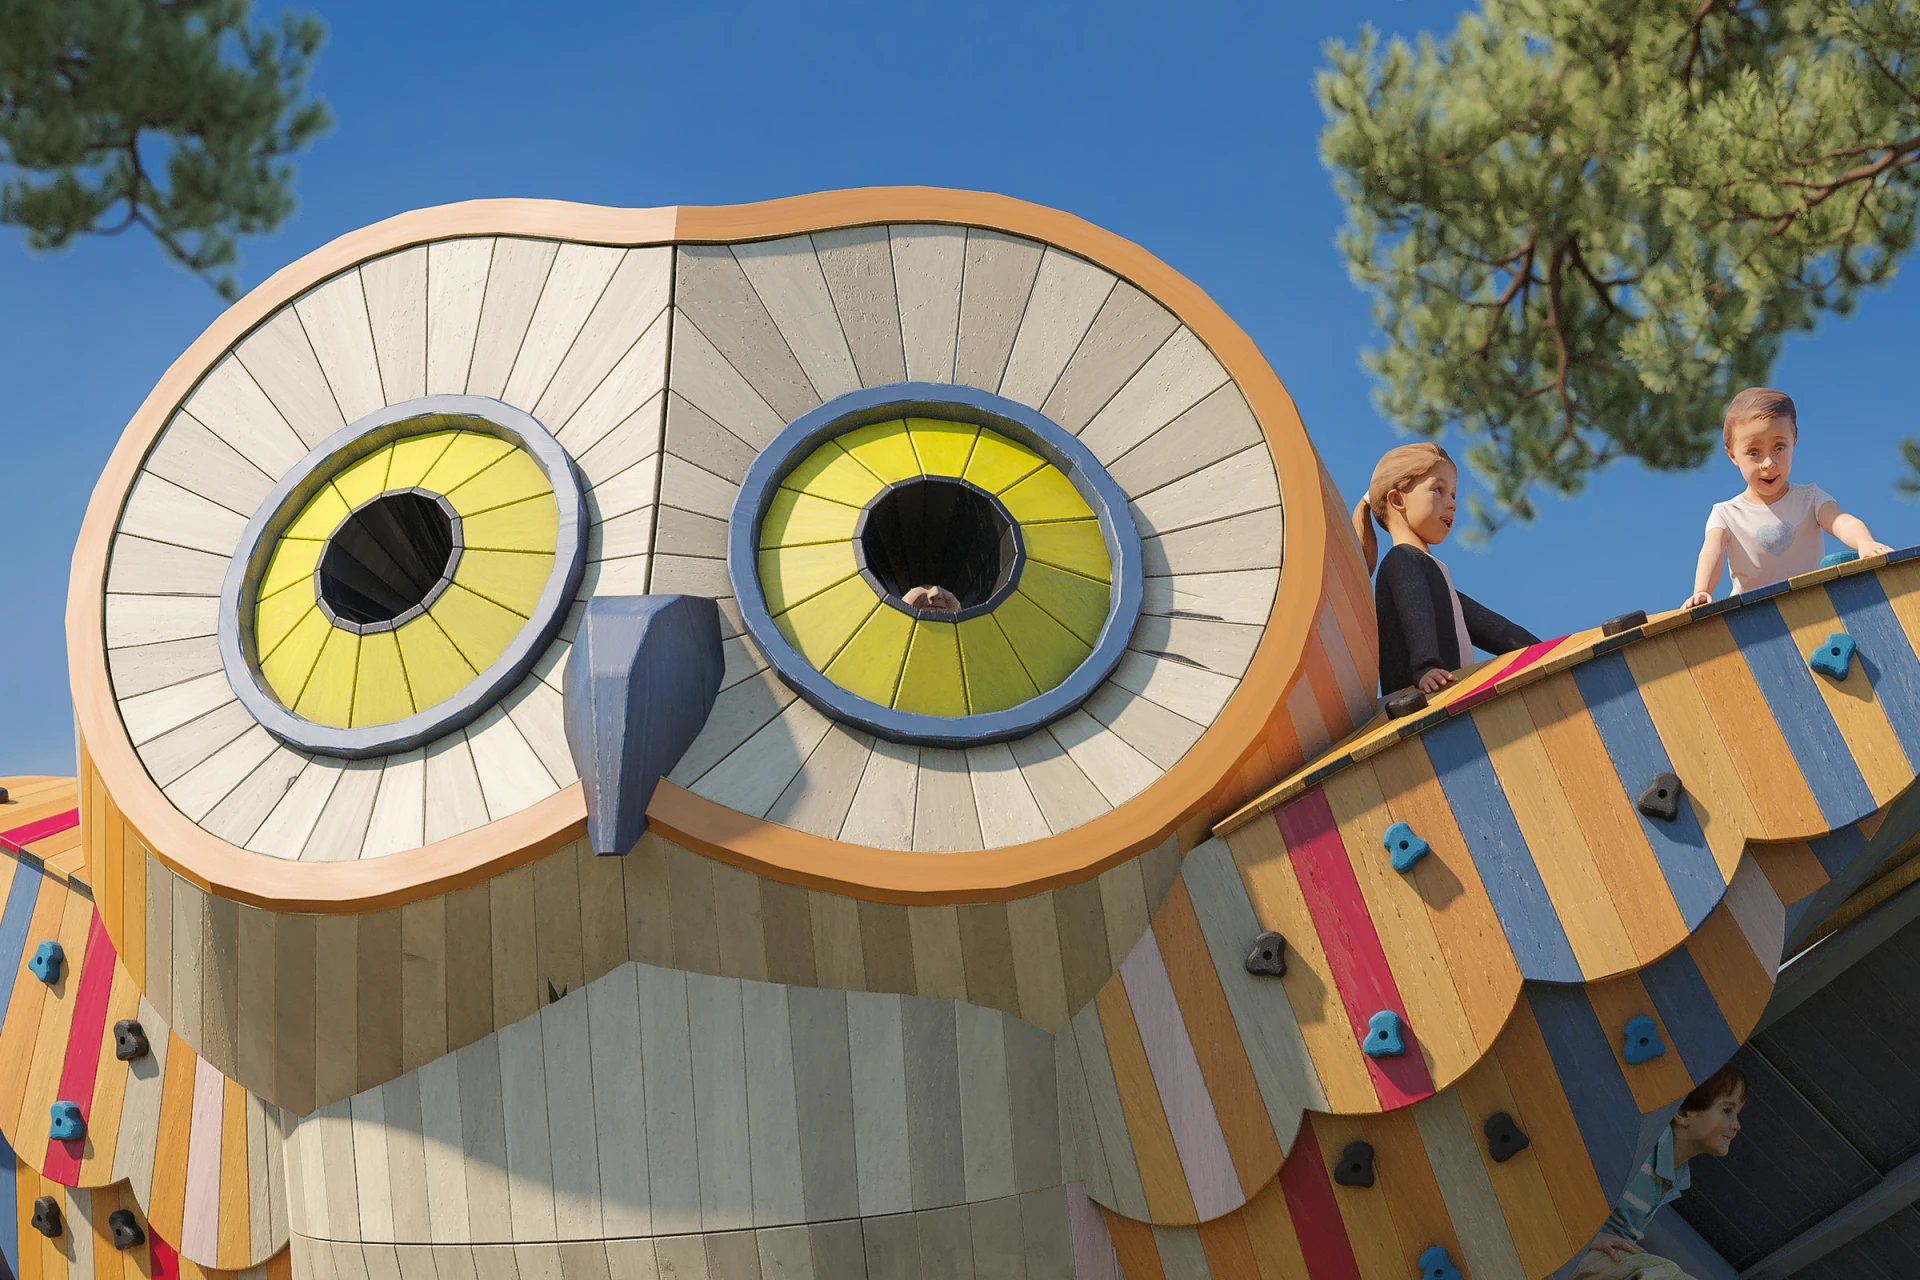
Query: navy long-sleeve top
point(1415, 618)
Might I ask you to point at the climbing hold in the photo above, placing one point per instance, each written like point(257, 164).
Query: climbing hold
point(1833, 558)
point(46, 1216)
point(126, 1229)
point(1405, 847)
point(67, 1125)
point(129, 1040)
point(1834, 656)
point(1383, 1036)
point(1269, 956)
point(1437, 1264)
point(1625, 622)
point(1405, 703)
point(1504, 1138)
point(48, 959)
point(1661, 799)
point(1643, 1041)
point(3, 795)
point(1356, 1166)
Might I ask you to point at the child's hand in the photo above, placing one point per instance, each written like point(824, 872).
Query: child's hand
point(1698, 598)
point(1873, 549)
point(1616, 1247)
point(1436, 678)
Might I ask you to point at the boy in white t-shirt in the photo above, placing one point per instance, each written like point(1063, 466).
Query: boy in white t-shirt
point(1772, 531)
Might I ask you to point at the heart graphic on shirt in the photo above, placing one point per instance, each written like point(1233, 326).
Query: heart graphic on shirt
point(1775, 538)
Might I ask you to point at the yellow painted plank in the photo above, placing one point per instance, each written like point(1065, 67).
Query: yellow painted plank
point(1045, 496)
point(994, 677)
point(380, 692)
point(328, 695)
point(1862, 720)
point(436, 669)
point(794, 519)
point(870, 663)
point(831, 472)
point(789, 575)
point(469, 452)
point(513, 579)
point(532, 525)
point(1073, 545)
point(931, 684)
point(1077, 603)
point(364, 478)
point(294, 560)
point(942, 447)
point(884, 449)
point(478, 627)
point(275, 618)
point(415, 456)
point(1047, 650)
point(999, 463)
point(820, 626)
point(291, 661)
point(322, 514)
point(515, 477)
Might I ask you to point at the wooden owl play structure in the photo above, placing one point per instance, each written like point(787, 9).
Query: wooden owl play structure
point(523, 829)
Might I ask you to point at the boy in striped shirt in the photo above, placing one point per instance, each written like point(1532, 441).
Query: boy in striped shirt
point(1706, 1124)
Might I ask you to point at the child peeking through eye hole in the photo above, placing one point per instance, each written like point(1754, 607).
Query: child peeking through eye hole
point(1705, 1125)
point(1428, 630)
point(933, 598)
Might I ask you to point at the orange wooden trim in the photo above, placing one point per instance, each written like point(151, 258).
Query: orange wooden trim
point(1139, 824)
point(1134, 1246)
point(1216, 1041)
point(1658, 1081)
point(1518, 1182)
point(1161, 1175)
point(132, 938)
point(1791, 868)
point(280, 1265)
point(1734, 975)
point(26, 1186)
point(167, 1204)
point(235, 1249)
point(1543, 1114)
point(1229, 1251)
point(1408, 1185)
point(23, 1011)
point(1270, 1230)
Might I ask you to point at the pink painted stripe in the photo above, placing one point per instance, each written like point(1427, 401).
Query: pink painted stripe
point(20, 837)
point(83, 1048)
point(1093, 1256)
point(1197, 1135)
point(1524, 659)
point(200, 1225)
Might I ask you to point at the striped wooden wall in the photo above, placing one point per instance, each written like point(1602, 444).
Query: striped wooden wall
point(197, 1154)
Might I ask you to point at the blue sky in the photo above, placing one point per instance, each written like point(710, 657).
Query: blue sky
point(1191, 129)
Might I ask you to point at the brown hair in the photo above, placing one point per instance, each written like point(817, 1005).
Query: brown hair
point(1729, 1081)
point(1758, 402)
point(1398, 469)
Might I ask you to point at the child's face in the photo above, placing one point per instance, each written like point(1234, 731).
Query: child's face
point(1715, 1128)
point(1428, 505)
point(1763, 450)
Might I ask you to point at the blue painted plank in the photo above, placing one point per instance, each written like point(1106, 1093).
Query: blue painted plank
point(1500, 852)
point(1884, 652)
point(1691, 1014)
point(1780, 670)
point(1613, 700)
point(1602, 1104)
point(1837, 850)
point(14, 922)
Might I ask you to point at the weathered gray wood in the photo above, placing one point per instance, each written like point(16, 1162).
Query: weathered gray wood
point(997, 1242)
point(619, 1091)
point(454, 801)
point(858, 265)
point(396, 289)
point(1893, 1193)
point(1160, 735)
point(529, 1162)
point(1221, 647)
point(999, 276)
point(342, 826)
point(536, 710)
point(399, 807)
point(1453, 1149)
point(946, 1244)
point(823, 1082)
point(1191, 691)
point(720, 1102)
point(1245, 595)
point(818, 797)
point(1116, 770)
point(1177, 377)
point(623, 400)
point(145, 668)
point(934, 1140)
point(1129, 329)
point(443, 1151)
point(511, 774)
point(928, 261)
point(632, 1260)
point(282, 362)
point(1110, 1123)
point(883, 805)
point(738, 713)
point(944, 818)
point(1064, 794)
point(335, 318)
point(1220, 426)
point(634, 300)
point(678, 532)
point(711, 290)
point(141, 566)
point(144, 620)
point(1034, 1105)
point(1067, 294)
point(193, 457)
point(574, 284)
point(1233, 486)
point(838, 1249)
point(615, 454)
point(515, 279)
point(785, 1253)
point(753, 775)
point(704, 378)
point(786, 275)
point(1250, 541)
point(148, 715)
point(696, 437)
point(406, 1160)
point(773, 1102)
point(197, 791)
point(667, 1065)
point(286, 829)
point(732, 1255)
point(571, 1127)
point(229, 403)
point(163, 511)
point(986, 1109)
point(880, 1112)
point(1007, 811)
point(456, 288)
point(1047, 1232)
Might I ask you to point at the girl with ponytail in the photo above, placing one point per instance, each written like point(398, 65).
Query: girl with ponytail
point(1427, 629)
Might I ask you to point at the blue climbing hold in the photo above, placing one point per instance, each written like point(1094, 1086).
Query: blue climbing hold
point(1405, 847)
point(48, 959)
point(1833, 558)
point(1437, 1264)
point(1834, 656)
point(67, 1125)
point(1383, 1036)
point(1643, 1041)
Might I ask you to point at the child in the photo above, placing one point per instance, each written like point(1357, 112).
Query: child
point(1772, 530)
point(1706, 1124)
point(1427, 629)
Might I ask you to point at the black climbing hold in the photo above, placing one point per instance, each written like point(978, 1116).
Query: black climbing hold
point(126, 1229)
point(1504, 1138)
point(1661, 799)
point(46, 1216)
point(1405, 703)
point(3, 795)
point(1356, 1166)
point(1625, 622)
point(129, 1040)
point(1269, 956)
